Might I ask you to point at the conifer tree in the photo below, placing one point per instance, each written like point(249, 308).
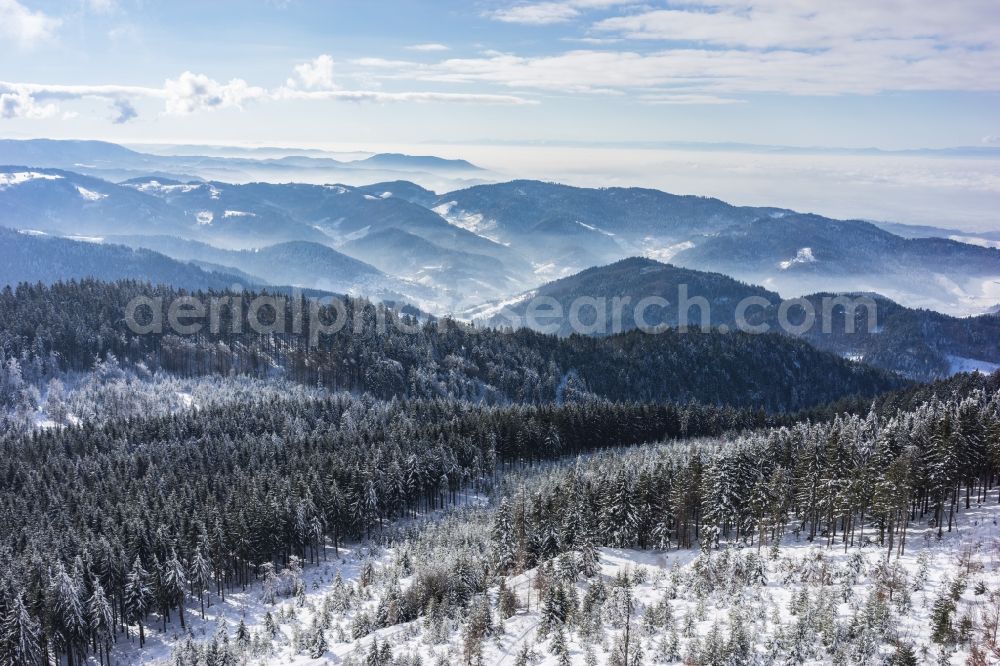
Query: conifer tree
point(316, 641)
point(175, 584)
point(100, 620)
point(138, 597)
point(19, 636)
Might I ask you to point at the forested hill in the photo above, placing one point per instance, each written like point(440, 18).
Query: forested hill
point(69, 325)
point(917, 343)
point(41, 258)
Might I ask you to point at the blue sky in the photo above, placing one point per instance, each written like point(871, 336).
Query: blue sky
point(889, 73)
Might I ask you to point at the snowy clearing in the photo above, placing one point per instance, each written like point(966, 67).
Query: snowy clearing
point(90, 195)
point(11, 178)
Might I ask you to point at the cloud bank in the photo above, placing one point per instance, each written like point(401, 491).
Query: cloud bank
point(192, 93)
point(739, 47)
point(695, 52)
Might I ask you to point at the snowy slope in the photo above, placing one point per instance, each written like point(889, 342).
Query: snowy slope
point(805, 593)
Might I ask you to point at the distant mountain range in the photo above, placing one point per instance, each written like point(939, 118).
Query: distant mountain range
point(113, 162)
point(471, 250)
point(920, 344)
point(415, 162)
point(299, 263)
point(430, 259)
point(991, 152)
point(983, 238)
point(493, 241)
point(564, 229)
point(406, 254)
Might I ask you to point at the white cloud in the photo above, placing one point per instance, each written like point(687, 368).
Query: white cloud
point(18, 104)
point(864, 68)
point(317, 74)
point(704, 51)
point(541, 14)
point(852, 46)
point(797, 24)
point(428, 47)
point(196, 92)
point(25, 100)
point(102, 6)
point(419, 97)
point(546, 13)
point(23, 27)
point(190, 93)
point(991, 139)
point(687, 99)
point(594, 41)
point(385, 63)
point(184, 95)
point(60, 92)
point(123, 112)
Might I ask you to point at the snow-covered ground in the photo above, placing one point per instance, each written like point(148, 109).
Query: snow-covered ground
point(803, 256)
point(112, 392)
point(473, 222)
point(90, 195)
point(654, 250)
point(807, 594)
point(11, 178)
point(962, 364)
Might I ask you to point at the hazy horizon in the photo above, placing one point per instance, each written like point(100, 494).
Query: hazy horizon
point(955, 192)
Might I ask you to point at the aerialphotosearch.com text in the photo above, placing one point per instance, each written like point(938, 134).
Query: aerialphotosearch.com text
point(271, 314)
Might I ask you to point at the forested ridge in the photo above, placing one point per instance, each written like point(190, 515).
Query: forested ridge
point(69, 325)
point(829, 481)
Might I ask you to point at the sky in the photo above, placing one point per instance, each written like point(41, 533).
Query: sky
point(589, 92)
point(889, 73)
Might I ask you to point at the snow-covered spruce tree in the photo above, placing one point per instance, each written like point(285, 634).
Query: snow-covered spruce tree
point(315, 640)
point(619, 513)
point(559, 648)
point(553, 610)
point(590, 558)
point(100, 621)
point(269, 584)
point(175, 584)
point(942, 616)
point(524, 656)
point(506, 601)
point(19, 636)
point(138, 597)
point(477, 629)
point(625, 652)
point(242, 636)
point(200, 576)
point(68, 620)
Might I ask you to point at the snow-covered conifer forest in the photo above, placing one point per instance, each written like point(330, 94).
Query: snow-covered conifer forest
point(500, 333)
point(467, 497)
